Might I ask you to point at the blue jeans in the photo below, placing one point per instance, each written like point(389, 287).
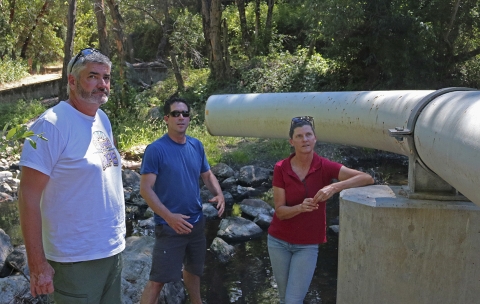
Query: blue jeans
point(293, 267)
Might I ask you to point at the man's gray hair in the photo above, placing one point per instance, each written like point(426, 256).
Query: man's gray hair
point(80, 61)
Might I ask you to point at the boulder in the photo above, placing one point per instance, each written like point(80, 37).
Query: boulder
point(263, 220)
point(5, 247)
point(131, 178)
point(137, 260)
point(238, 229)
point(4, 197)
point(255, 207)
point(253, 176)
point(15, 262)
point(222, 250)
point(222, 171)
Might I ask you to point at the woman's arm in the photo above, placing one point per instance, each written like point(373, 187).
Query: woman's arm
point(348, 178)
point(283, 211)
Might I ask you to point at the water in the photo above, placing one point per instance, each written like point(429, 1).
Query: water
point(248, 278)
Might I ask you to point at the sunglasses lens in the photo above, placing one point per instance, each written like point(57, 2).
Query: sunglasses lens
point(177, 113)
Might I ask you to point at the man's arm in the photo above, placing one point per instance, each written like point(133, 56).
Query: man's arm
point(175, 220)
point(214, 187)
point(32, 184)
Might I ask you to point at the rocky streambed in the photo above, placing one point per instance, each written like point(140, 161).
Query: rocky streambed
point(237, 267)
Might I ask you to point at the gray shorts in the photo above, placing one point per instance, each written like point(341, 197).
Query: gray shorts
point(172, 250)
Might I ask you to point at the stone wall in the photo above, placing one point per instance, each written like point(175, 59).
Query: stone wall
point(44, 89)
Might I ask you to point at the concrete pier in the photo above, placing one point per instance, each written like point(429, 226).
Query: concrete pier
point(398, 250)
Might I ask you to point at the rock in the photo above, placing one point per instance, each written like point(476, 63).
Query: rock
point(131, 178)
point(147, 224)
point(15, 262)
point(209, 211)
point(5, 175)
point(4, 187)
point(255, 207)
point(334, 228)
point(222, 171)
point(240, 192)
point(238, 229)
point(148, 213)
point(4, 197)
point(229, 200)
point(132, 212)
point(130, 164)
point(14, 288)
point(155, 113)
point(229, 182)
point(263, 220)
point(173, 293)
point(137, 260)
point(5, 247)
point(206, 195)
point(222, 250)
point(253, 176)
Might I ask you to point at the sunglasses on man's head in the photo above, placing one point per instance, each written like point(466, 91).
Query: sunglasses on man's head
point(177, 113)
point(299, 119)
point(83, 53)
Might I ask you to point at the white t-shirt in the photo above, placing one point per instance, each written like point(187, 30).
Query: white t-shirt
point(83, 208)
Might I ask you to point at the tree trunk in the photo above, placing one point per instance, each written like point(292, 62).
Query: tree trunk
point(257, 25)
point(176, 71)
point(212, 14)
point(268, 22)
point(243, 27)
point(68, 48)
point(12, 11)
point(99, 9)
point(162, 46)
point(225, 46)
point(119, 36)
point(43, 11)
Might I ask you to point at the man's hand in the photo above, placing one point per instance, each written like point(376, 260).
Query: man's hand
point(178, 223)
point(41, 279)
point(220, 201)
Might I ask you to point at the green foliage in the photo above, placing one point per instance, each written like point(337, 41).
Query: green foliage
point(12, 137)
point(284, 73)
point(20, 112)
point(11, 70)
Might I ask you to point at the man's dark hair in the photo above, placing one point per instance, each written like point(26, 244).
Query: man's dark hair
point(167, 105)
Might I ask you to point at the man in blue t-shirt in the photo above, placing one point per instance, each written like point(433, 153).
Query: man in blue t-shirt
point(170, 170)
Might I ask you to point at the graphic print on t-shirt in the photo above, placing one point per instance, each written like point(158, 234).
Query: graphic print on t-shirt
point(105, 148)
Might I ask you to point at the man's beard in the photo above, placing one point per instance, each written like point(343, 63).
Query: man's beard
point(90, 98)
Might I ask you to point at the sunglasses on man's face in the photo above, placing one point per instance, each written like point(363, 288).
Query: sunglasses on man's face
point(300, 119)
point(83, 53)
point(177, 113)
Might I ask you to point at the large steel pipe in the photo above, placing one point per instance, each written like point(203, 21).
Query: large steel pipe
point(447, 140)
point(446, 129)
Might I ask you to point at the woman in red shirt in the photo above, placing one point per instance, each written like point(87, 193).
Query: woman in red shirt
point(301, 185)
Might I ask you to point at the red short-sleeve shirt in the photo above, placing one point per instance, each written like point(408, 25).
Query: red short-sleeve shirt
point(307, 227)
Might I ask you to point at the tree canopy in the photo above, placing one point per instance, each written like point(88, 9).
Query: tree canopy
point(370, 44)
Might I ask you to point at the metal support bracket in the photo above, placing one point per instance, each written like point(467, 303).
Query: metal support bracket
point(423, 183)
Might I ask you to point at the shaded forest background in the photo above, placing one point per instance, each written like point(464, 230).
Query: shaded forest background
point(257, 46)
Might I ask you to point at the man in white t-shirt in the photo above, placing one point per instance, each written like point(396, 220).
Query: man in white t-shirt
point(71, 199)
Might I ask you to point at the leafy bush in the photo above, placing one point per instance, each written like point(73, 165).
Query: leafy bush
point(284, 73)
point(20, 112)
point(11, 70)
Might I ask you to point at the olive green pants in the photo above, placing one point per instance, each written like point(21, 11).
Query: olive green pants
point(96, 281)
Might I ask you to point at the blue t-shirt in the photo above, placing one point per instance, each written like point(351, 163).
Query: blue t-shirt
point(178, 168)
